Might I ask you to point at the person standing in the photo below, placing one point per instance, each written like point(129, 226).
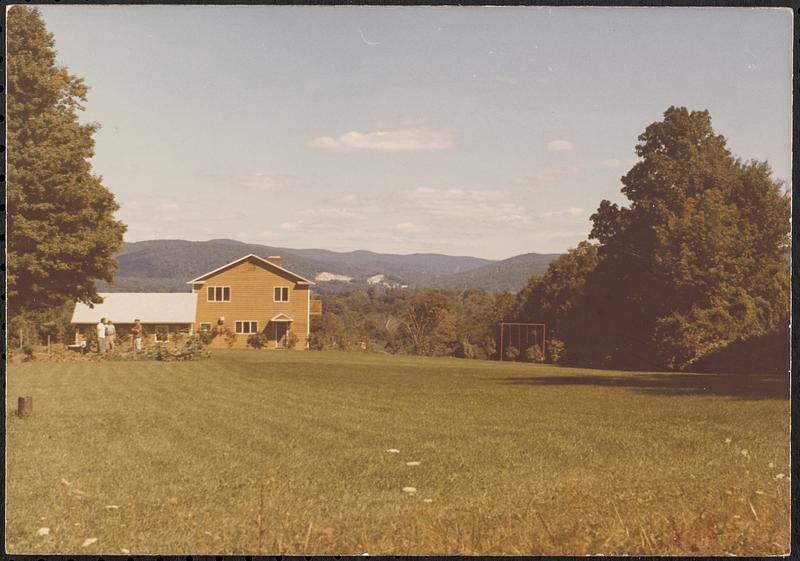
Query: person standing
point(101, 336)
point(111, 335)
point(136, 331)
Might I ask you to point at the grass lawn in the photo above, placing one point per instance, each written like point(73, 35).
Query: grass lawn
point(285, 452)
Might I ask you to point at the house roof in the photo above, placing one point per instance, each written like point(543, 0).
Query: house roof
point(287, 273)
point(149, 307)
point(282, 317)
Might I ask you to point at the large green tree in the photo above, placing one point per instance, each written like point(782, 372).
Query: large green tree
point(557, 298)
point(697, 260)
point(62, 235)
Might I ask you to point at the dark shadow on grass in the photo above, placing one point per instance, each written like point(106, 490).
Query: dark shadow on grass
point(740, 386)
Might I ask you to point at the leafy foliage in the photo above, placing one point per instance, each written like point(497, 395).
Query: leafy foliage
point(534, 354)
point(426, 322)
point(193, 348)
point(60, 216)
point(257, 340)
point(695, 262)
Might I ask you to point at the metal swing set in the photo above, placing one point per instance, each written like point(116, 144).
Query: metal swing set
point(528, 329)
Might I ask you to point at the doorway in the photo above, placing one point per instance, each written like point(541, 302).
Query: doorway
point(281, 331)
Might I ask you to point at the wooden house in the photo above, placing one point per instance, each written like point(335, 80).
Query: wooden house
point(253, 295)
point(249, 296)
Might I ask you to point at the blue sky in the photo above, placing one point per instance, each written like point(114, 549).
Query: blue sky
point(478, 131)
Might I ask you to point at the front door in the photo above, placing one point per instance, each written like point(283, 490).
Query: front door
point(281, 328)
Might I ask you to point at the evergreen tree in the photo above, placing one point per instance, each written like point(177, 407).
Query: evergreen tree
point(62, 231)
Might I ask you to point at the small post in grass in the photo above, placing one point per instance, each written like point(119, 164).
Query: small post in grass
point(24, 406)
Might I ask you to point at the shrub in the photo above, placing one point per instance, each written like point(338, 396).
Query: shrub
point(511, 353)
point(192, 349)
point(291, 340)
point(556, 350)
point(28, 351)
point(207, 336)
point(534, 354)
point(257, 341)
point(230, 336)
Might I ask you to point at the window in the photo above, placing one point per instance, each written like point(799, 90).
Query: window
point(162, 333)
point(281, 294)
point(246, 327)
point(205, 326)
point(219, 293)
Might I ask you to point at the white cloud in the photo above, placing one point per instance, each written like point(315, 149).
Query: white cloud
point(546, 177)
point(537, 180)
point(410, 228)
point(460, 204)
point(560, 145)
point(267, 182)
point(611, 163)
point(402, 140)
point(325, 142)
point(291, 226)
point(332, 212)
point(569, 212)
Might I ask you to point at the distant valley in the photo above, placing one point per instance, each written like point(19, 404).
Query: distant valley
point(166, 266)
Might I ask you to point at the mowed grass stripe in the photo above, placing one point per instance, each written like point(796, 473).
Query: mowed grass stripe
point(194, 453)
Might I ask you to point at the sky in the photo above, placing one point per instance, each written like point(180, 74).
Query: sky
point(467, 131)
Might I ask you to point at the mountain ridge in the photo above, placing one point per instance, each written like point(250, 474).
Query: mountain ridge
point(166, 265)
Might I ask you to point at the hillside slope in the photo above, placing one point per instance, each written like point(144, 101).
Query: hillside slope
point(166, 266)
point(509, 274)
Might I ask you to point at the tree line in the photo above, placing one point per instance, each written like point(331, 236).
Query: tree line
point(692, 274)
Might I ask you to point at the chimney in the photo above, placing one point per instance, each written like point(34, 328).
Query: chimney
point(275, 260)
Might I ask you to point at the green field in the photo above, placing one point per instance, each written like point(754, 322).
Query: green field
point(268, 452)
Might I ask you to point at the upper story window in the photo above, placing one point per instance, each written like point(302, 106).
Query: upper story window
point(281, 294)
point(219, 293)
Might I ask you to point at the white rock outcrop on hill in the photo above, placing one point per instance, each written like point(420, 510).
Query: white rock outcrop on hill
point(325, 277)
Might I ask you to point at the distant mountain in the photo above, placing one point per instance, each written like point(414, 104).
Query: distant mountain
point(166, 266)
point(411, 268)
point(509, 274)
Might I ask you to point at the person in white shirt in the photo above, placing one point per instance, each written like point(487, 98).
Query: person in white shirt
point(111, 333)
point(101, 336)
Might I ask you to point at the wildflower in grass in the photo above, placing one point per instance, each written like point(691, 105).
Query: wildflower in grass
point(412, 463)
point(727, 441)
point(780, 476)
point(112, 507)
point(393, 451)
point(125, 551)
point(771, 465)
point(427, 500)
point(43, 531)
point(65, 482)
point(89, 541)
point(745, 453)
point(410, 490)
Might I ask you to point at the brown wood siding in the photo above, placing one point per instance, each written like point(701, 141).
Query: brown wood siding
point(251, 299)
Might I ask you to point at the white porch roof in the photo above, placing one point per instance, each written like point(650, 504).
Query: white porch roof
point(149, 307)
point(279, 317)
